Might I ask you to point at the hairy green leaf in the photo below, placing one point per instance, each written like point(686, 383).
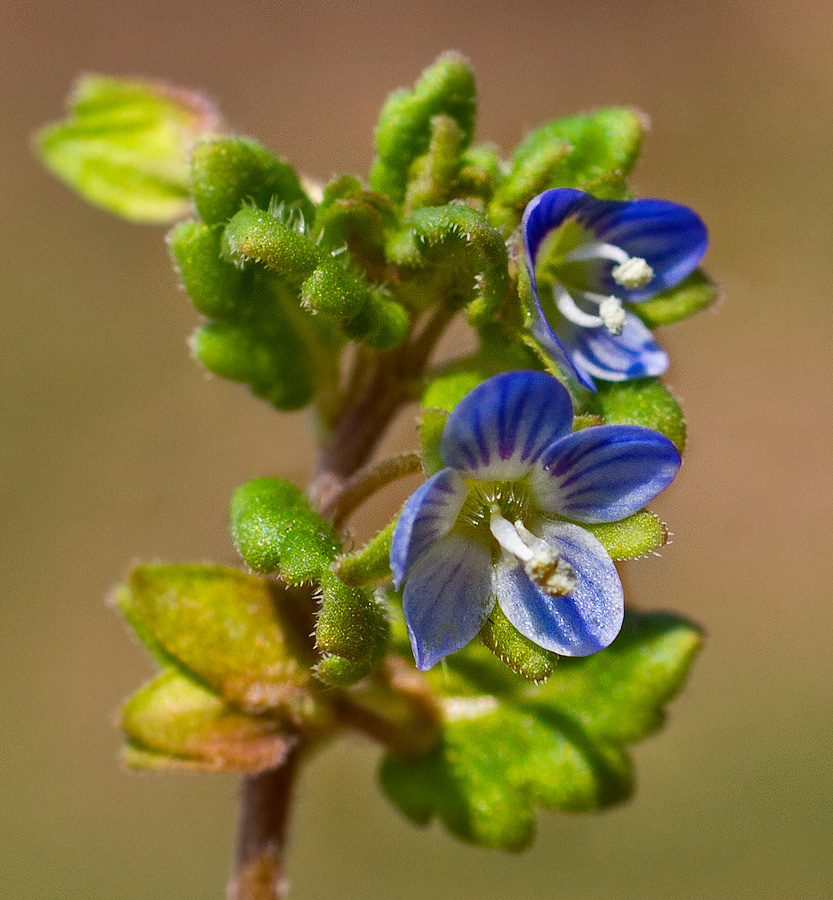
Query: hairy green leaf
point(507, 747)
point(690, 296)
point(125, 145)
point(177, 717)
point(232, 631)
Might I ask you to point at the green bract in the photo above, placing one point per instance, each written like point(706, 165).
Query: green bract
point(125, 145)
point(506, 747)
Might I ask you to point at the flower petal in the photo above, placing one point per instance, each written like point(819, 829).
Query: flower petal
point(427, 517)
point(498, 430)
point(447, 598)
point(596, 353)
point(544, 213)
point(604, 474)
point(672, 238)
point(583, 622)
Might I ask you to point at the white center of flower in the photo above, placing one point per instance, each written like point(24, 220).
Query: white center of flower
point(632, 272)
point(542, 562)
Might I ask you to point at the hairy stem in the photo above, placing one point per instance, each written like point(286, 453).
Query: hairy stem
point(264, 815)
point(366, 482)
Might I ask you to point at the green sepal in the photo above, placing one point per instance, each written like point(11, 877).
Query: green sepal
point(228, 630)
point(176, 718)
point(369, 564)
point(352, 624)
point(352, 217)
point(254, 235)
point(403, 133)
point(454, 253)
point(430, 424)
point(433, 177)
point(124, 145)
point(529, 175)
point(507, 746)
point(637, 536)
point(229, 171)
point(274, 363)
point(643, 401)
point(592, 152)
point(215, 286)
point(363, 313)
point(275, 530)
point(518, 652)
point(336, 671)
point(479, 173)
point(696, 292)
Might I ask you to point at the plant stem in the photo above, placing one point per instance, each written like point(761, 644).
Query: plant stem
point(388, 383)
point(264, 814)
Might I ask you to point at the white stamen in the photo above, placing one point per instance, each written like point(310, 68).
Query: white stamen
point(633, 274)
point(597, 250)
point(612, 314)
point(507, 536)
point(542, 562)
point(567, 307)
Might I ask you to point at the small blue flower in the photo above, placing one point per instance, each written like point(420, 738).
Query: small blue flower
point(498, 524)
point(606, 252)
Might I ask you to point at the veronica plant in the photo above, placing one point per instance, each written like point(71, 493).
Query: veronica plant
point(332, 298)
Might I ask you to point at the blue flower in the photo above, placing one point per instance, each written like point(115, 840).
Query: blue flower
point(498, 524)
point(604, 253)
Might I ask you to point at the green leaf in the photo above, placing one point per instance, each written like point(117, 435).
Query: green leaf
point(176, 717)
point(228, 172)
point(631, 538)
point(507, 746)
point(690, 296)
point(274, 529)
point(125, 145)
point(643, 401)
point(404, 131)
point(230, 630)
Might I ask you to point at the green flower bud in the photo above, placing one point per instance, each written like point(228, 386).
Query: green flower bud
point(403, 133)
point(255, 235)
point(434, 176)
point(215, 286)
point(227, 172)
point(646, 402)
point(274, 364)
point(275, 530)
point(352, 624)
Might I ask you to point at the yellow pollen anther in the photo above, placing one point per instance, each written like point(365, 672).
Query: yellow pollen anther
point(633, 274)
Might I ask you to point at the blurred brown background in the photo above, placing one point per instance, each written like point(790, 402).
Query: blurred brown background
point(116, 447)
